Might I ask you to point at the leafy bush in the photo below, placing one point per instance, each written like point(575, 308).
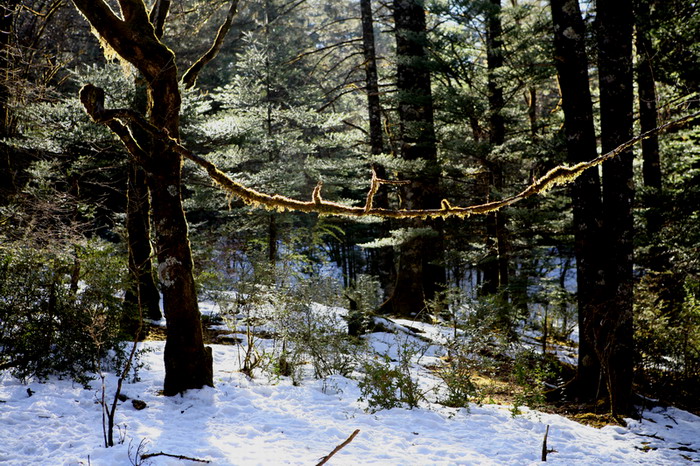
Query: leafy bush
point(280, 302)
point(530, 371)
point(59, 312)
point(388, 384)
point(459, 387)
point(668, 336)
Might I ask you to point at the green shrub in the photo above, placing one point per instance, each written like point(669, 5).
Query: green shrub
point(60, 312)
point(388, 384)
point(667, 334)
point(530, 371)
point(459, 388)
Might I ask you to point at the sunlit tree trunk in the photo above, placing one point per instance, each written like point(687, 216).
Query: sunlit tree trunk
point(188, 363)
point(7, 13)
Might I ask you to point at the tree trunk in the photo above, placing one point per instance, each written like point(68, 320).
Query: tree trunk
point(615, 343)
point(646, 89)
point(572, 67)
point(7, 15)
point(138, 229)
point(138, 225)
point(385, 255)
point(188, 364)
point(497, 263)
point(420, 271)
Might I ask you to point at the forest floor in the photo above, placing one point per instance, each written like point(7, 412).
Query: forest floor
point(273, 419)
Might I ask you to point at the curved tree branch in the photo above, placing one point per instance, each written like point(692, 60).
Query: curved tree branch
point(158, 14)
point(190, 76)
point(93, 100)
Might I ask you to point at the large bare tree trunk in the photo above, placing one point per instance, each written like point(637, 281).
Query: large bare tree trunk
point(420, 271)
point(572, 66)
point(615, 340)
point(188, 364)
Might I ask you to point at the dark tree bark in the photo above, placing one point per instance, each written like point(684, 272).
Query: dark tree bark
point(615, 339)
point(138, 219)
point(420, 272)
point(7, 14)
point(572, 67)
point(496, 265)
point(646, 89)
point(385, 256)
point(188, 363)
point(374, 109)
point(138, 229)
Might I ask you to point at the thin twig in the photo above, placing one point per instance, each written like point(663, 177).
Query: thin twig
point(179, 457)
point(338, 448)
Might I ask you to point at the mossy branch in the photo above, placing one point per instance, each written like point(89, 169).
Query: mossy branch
point(93, 101)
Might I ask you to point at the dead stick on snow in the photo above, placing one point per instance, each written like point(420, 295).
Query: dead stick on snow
point(544, 444)
point(339, 447)
point(179, 457)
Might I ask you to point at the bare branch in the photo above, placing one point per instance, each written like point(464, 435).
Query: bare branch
point(134, 11)
point(190, 76)
point(324, 49)
point(179, 457)
point(338, 448)
point(158, 14)
point(557, 176)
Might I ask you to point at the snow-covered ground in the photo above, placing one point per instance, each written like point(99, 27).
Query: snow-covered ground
point(268, 420)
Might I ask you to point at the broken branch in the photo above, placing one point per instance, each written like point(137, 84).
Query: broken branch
point(179, 457)
point(338, 448)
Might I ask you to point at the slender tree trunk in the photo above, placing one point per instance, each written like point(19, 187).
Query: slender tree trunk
point(385, 255)
point(188, 363)
point(646, 89)
point(7, 15)
point(615, 342)
point(374, 109)
point(496, 266)
point(138, 225)
point(139, 237)
point(572, 66)
point(531, 98)
point(420, 271)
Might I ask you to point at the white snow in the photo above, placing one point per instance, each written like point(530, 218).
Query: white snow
point(268, 420)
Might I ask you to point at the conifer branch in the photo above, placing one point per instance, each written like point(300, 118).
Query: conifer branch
point(93, 100)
